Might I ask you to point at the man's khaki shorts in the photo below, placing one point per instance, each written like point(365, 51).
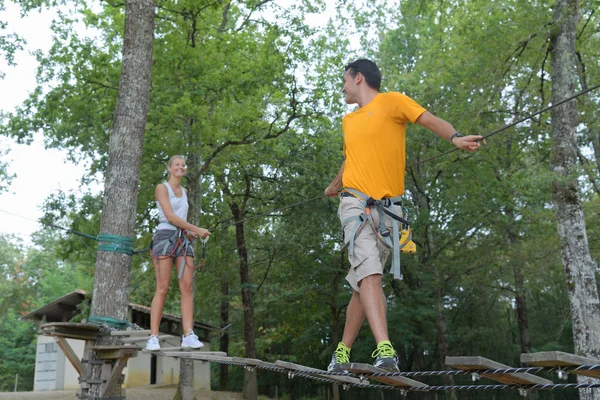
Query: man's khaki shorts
point(370, 254)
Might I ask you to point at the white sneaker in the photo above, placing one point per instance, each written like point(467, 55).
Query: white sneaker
point(153, 343)
point(191, 340)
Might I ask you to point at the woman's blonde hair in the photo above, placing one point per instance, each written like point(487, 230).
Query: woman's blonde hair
point(171, 163)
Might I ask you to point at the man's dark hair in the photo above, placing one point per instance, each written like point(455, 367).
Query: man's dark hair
point(368, 69)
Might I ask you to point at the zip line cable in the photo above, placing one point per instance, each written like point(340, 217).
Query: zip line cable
point(505, 127)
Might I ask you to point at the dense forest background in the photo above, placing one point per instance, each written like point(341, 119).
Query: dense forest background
point(250, 92)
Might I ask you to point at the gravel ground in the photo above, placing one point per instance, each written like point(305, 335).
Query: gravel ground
point(139, 393)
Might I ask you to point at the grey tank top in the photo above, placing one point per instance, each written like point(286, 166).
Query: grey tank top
point(178, 204)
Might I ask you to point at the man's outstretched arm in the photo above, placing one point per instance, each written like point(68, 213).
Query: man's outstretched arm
point(445, 130)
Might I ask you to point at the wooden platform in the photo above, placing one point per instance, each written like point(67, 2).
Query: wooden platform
point(368, 370)
point(71, 330)
point(198, 355)
point(136, 339)
point(560, 359)
point(295, 368)
point(113, 352)
point(481, 363)
point(255, 363)
point(131, 332)
point(112, 359)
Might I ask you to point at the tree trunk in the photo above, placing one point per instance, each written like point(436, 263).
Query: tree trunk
point(578, 265)
point(522, 315)
point(520, 290)
point(224, 342)
point(337, 315)
point(250, 390)
point(112, 278)
point(185, 388)
point(442, 335)
point(429, 249)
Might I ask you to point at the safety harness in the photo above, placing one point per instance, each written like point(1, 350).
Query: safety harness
point(381, 231)
point(182, 241)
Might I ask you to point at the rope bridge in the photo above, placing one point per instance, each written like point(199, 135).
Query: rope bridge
point(354, 375)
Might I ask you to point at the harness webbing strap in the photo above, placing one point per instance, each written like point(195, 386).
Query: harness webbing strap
point(183, 242)
point(115, 244)
point(354, 233)
point(381, 232)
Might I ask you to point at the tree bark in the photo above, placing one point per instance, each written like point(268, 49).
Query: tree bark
point(185, 388)
point(430, 249)
point(520, 291)
point(238, 211)
point(250, 390)
point(112, 277)
point(224, 342)
point(578, 265)
point(442, 334)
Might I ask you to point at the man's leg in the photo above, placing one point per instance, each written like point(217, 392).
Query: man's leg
point(355, 316)
point(374, 307)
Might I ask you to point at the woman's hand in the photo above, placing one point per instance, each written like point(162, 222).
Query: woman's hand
point(203, 233)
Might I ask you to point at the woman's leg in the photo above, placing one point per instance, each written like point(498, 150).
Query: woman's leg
point(162, 271)
point(187, 297)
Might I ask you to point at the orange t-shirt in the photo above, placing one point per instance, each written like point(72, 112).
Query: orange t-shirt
point(375, 144)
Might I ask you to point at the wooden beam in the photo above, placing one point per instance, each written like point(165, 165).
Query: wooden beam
point(135, 339)
point(69, 353)
point(115, 376)
point(320, 373)
point(254, 362)
point(196, 355)
point(368, 370)
point(115, 352)
point(138, 332)
point(481, 363)
point(71, 330)
point(560, 359)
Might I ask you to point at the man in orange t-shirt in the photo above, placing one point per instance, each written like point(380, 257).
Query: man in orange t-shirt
point(374, 165)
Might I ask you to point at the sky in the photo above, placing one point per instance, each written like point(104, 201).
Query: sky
point(39, 172)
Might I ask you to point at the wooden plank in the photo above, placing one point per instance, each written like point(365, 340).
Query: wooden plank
point(197, 355)
point(181, 349)
point(135, 339)
point(72, 325)
point(253, 362)
point(87, 356)
point(112, 352)
point(104, 347)
point(133, 332)
point(71, 330)
point(368, 369)
point(69, 353)
point(115, 377)
point(481, 363)
point(560, 359)
point(320, 373)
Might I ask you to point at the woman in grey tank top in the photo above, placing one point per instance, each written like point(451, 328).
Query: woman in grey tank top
point(172, 204)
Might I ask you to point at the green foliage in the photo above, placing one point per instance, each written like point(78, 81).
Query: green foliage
point(17, 354)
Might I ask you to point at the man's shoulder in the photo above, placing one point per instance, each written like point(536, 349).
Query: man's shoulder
point(394, 96)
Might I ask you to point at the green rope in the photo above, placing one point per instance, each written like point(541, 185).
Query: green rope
point(115, 244)
point(112, 322)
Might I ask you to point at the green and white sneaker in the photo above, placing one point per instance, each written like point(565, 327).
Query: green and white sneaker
point(340, 355)
point(386, 357)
